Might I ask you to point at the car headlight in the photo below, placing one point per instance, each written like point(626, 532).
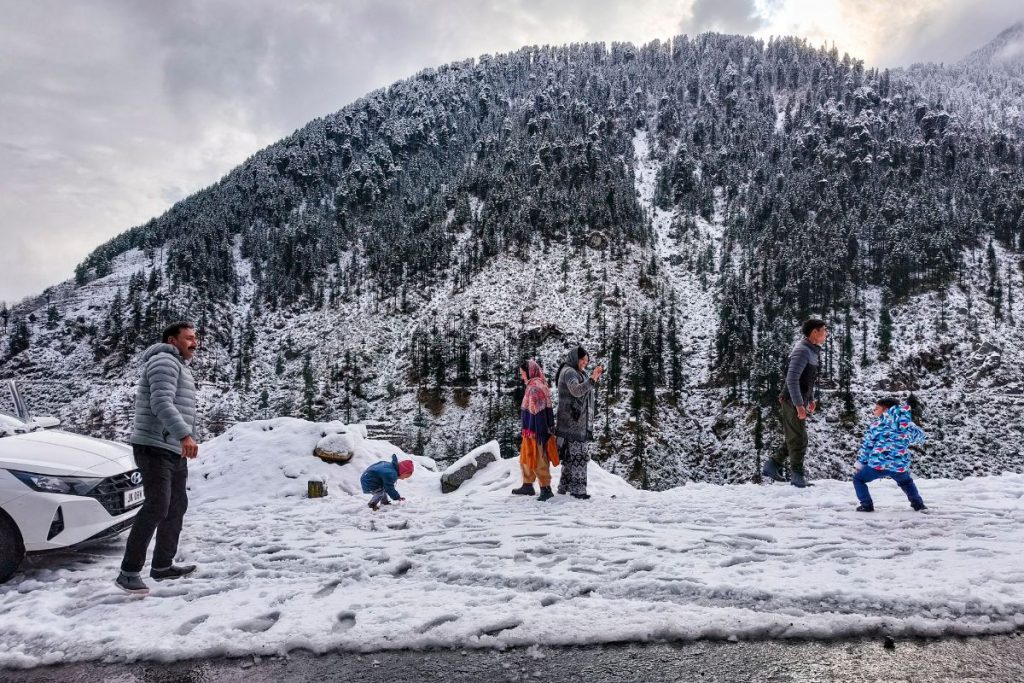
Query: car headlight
point(48, 483)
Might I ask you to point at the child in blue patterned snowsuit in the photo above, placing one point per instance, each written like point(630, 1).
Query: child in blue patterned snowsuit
point(885, 453)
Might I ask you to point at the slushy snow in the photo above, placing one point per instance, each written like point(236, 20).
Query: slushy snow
point(481, 568)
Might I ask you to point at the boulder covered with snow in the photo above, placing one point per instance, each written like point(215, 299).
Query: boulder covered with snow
point(336, 448)
point(465, 467)
point(259, 461)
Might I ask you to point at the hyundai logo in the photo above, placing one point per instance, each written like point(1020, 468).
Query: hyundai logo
point(136, 478)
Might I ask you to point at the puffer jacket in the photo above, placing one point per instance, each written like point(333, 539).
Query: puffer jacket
point(802, 373)
point(575, 417)
point(165, 402)
point(888, 439)
point(381, 475)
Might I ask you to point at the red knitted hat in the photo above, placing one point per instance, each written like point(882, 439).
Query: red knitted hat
point(405, 467)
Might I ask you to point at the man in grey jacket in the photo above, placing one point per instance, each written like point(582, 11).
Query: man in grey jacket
point(163, 441)
point(798, 400)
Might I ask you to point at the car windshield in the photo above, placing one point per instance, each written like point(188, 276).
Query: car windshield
point(11, 425)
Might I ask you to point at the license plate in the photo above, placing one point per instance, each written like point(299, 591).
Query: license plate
point(134, 497)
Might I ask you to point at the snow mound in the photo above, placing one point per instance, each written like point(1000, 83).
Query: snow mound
point(271, 459)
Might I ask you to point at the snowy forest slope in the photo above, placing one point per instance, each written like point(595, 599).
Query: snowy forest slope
point(677, 208)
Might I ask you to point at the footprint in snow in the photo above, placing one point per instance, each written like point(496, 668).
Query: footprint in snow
point(326, 590)
point(499, 627)
point(437, 621)
point(259, 624)
point(189, 625)
point(402, 568)
point(346, 620)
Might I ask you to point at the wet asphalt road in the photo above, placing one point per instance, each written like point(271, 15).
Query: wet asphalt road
point(966, 660)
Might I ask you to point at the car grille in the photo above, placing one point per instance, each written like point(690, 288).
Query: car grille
point(110, 492)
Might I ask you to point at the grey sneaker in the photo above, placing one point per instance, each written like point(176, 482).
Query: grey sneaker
point(772, 471)
point(797, 480)
point(175, 571)
point(131, 584)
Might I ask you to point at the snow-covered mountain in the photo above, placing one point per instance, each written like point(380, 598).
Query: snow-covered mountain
point(677, 208)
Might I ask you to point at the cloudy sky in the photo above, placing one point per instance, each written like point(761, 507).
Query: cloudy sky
point(110, 111)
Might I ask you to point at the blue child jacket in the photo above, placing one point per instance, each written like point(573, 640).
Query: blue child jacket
point(381, 475)
point(888, 438)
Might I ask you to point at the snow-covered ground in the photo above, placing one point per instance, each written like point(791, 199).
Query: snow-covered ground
point(482, 568)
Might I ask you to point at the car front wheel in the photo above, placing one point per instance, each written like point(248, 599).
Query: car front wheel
point(12, 551)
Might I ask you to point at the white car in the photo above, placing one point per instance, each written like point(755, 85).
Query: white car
point(60, 490)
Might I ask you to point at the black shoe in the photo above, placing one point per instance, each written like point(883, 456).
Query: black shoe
point(175, 571)
point(386, 501)
point(131, 584)
point(581, 496)
point(524, 490)
point(373, 506)
point(545, 494)
point(865, 508)
point(919, 508)
point(772, 471)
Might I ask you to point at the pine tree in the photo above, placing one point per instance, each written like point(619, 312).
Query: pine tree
point(1009, 296)
point(264, 403)
point(21, 338)
point(308, 389)
point(884, 329)
point(758, 444)
point(846, 365)
point(615, 365)
point(864, 360)
point(675, 353)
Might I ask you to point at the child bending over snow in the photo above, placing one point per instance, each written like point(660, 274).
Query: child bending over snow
point(379, 480)
point(885, 453)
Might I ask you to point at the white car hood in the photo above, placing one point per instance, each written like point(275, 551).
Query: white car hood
point(63, 453)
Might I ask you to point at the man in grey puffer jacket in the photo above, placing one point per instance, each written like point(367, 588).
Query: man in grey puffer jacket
point(163, 441)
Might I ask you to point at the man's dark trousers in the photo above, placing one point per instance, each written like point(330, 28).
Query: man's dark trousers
point(794, 447)
point(164, 475)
